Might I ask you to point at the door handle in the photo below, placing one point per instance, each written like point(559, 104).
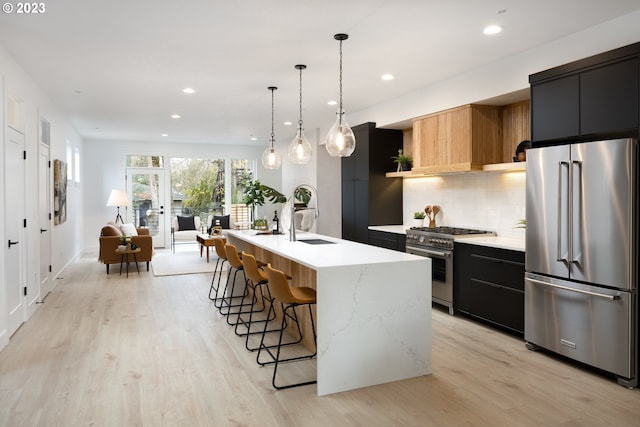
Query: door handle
point(559, 255)
point(43, 230)
point(575, 254)
point(579, 291)
point(12, 243)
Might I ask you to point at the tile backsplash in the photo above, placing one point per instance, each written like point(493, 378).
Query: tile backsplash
point(485, 200)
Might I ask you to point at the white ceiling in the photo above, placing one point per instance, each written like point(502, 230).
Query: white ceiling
point(118, 67)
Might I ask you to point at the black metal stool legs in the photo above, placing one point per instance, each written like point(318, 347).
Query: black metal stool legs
point(288, 312)
point(214, 287)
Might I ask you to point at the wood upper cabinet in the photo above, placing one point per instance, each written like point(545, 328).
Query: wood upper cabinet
point(459, 139)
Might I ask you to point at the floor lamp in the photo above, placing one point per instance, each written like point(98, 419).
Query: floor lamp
point(118, 198)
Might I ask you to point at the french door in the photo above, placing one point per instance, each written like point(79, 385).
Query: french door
point(145, 189)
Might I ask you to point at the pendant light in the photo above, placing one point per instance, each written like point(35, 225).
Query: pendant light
point(340, 140)
point(300, 149)
point(271, 158)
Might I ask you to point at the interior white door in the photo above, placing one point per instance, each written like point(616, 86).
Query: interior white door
point(14, 228)
point(44, 215)
point(145, 189)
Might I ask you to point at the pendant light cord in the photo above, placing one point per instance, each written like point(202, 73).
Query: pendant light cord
point(300, 67)
point(340, 80)
point(273, 135)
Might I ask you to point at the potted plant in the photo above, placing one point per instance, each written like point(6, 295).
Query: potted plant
point(255, 194)
point(404, 162)
point(418, 218)
point(260, 224)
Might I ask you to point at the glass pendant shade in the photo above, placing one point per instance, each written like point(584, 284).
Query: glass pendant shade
point(300, 148)
point(271, 157)
point(340, 140)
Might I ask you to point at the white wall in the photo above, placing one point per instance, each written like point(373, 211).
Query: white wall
point(106, 162)
point(492, 201)
point(66, 238)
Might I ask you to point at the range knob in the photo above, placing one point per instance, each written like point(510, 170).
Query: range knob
point(421, 239)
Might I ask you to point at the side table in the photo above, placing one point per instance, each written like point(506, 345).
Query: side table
point(206, 241)
point(124, 252)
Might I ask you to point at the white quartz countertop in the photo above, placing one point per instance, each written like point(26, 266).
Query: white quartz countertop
point(397, 229)
point(511, 243)
point(340, 253)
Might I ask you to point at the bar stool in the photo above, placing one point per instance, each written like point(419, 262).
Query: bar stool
point(289, 298)
point(257, 281)
point(235, 264)
point(218, 244)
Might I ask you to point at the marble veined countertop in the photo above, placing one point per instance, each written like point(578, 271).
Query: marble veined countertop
point(336, 254)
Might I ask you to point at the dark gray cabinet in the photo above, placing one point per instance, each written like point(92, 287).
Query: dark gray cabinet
point(587, 99)
point(368, 196)
point(489, 285)
point(609, 97)
point(387, 240)
point(555, 109)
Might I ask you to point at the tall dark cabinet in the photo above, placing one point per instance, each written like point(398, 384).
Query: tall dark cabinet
point(592, 98)
point(368, 197)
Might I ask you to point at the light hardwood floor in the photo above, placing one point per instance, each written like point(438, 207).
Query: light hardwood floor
point(152, 351)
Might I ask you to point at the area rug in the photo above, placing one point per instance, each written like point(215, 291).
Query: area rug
point(166, 263)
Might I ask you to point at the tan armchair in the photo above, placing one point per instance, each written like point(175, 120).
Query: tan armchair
point(110, 239)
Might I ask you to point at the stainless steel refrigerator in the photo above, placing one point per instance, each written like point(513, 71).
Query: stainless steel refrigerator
point(581, 254)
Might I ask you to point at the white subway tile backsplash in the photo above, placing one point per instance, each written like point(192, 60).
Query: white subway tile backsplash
point(486, 200)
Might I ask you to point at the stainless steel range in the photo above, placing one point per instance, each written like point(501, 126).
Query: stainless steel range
point(437, 243)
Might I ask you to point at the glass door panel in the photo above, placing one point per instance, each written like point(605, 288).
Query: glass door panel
point(145, 189)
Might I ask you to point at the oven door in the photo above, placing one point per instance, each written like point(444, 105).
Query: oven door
point(441, 274)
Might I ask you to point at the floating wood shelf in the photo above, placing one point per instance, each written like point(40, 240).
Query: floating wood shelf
point(436, 171)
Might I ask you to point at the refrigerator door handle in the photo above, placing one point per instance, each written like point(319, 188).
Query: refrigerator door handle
point(559, 256)
point(575, 252)
point(580, 291)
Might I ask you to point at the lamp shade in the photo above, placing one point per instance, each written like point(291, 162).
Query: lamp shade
point(118, 198)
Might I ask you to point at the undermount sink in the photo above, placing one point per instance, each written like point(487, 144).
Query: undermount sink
point(316, 241)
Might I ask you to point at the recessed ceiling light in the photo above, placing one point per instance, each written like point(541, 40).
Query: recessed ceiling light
point(288, 123)
point(332, 102)
point(165, 134)
point(387, 77)
point(492, 29)
point(188, 90)
point(253, 138)
point(175, 116)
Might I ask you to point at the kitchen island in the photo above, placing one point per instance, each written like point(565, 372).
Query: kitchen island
point(373, 313)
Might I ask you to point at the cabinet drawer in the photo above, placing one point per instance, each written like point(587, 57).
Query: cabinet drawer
point(498, 271)
point(497, 304)
point(387, 240)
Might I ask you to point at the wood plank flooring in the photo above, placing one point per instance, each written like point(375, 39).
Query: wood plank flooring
point(104, 350)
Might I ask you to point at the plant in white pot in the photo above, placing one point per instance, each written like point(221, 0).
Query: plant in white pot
point(418, 218)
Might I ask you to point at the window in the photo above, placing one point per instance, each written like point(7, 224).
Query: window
point(197, 187)
point(142, 161)
point(69, 161)
point(76, 165)
point(242, 171)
